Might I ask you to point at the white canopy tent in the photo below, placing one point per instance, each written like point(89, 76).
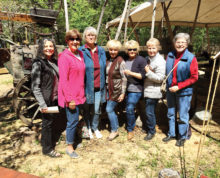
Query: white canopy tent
point(180, 12)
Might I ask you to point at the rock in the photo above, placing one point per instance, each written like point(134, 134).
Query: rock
point(168, 173)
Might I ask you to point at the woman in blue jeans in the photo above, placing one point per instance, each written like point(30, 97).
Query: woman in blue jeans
point(95, 61)
point(116, 84)
point(180, 87)
point(155, 73)
point(135, 73)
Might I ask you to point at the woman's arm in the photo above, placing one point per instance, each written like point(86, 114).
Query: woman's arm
point(35, 84)
point(133, 74)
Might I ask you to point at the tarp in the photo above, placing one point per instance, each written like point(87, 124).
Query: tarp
point(180, 12)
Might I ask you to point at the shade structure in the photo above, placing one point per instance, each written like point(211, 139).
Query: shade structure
point(180, 12)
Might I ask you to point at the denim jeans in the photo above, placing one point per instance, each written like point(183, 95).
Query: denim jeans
point(112, 115)
point(150, 113)
point(92, 112)
point(72, 121)
point(131, 101)
point(183, 106)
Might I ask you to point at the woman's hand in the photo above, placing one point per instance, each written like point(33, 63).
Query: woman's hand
point(147, 68)
point(72, 105)
point(127, 72)
point(43, 110)
point(121, 97)
point(174, 89)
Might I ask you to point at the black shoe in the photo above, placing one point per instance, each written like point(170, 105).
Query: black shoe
point(180, 142)
point(149, 136)
point(168, 138)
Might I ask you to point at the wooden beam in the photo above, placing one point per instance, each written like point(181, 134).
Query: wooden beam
point(135, 32)
point(167, 21)
point(122, 20)
point(100, 18)
point(153, 19)
point(196, 17)
point(15, 17)
point(126, 23)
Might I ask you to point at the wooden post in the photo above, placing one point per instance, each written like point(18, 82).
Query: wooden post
point(66, 15)
point(135, 32)
point(100, 18)
point(208, 39)
point(122, 20)
point(196, 17)
point(126, 23)
point(167, 21)
point(153, 19)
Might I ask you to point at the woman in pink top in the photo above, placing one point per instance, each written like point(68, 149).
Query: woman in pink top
point(71, 85)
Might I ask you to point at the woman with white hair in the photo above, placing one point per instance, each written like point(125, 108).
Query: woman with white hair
point(135, 73)
point(95, 61)
point(180, 87)
point(116, 84)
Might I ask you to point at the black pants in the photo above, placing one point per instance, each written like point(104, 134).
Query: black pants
point(52, 127)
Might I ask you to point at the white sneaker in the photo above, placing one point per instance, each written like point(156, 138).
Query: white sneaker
point(90, 134)
point(98, 134)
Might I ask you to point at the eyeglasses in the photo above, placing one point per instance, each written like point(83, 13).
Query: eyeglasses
point(134, 49)
point(73, 39)
point(181, 42)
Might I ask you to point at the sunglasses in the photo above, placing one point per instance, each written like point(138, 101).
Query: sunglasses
point(135, 49)
point(73, 39)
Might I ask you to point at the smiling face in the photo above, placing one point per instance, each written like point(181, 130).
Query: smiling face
point(90, 38)
point(180, 45)
point(113, 52)
point(132, 52)
point(152, 49)
point(48, 49)
point(73, 43)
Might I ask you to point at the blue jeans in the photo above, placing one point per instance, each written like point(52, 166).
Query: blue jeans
point(72, 121)
point(150, 113)
point(131, 101)
point(183, 106)
point(112, 115)
point(92, 112)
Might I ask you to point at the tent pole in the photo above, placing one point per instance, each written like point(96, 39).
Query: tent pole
point(208, 39)
point(121, 20)
point(126, 23)
point(100, 18)
point(135, 32)
point(167, 21)
point(66, 15)
point(153, 19)
point(196, 17)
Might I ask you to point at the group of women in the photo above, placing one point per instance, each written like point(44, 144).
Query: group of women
point(84, 79)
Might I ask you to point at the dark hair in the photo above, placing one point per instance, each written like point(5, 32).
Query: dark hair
point(40, 50)
point(72, 33)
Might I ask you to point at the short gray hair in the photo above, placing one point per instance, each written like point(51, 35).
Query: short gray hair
point(90, 30)
point(182, 35)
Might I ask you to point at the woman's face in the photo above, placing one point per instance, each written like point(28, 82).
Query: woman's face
point(132, 52)
point(152, 49)
point(180, 45)
point(113, 52)
point(73, 43)
point(48, 49)
point(90, 38)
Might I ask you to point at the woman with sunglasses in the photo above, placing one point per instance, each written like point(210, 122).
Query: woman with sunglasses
point(135, 73)
point(95, 61)
point(71, 93)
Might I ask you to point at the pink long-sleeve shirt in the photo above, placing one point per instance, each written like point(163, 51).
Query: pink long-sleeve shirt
point(71, 78)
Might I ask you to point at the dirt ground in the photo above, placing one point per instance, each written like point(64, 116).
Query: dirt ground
point(102, 158)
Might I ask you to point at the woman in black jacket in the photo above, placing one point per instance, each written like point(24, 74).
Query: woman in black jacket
point(44, 76)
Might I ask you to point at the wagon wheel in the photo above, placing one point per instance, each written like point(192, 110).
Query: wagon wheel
point(25, 104)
